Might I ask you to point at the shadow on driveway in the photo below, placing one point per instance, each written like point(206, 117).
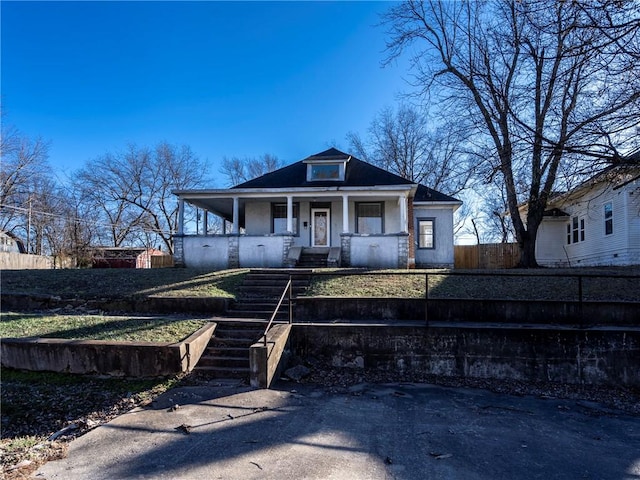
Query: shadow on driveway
point(399, 431)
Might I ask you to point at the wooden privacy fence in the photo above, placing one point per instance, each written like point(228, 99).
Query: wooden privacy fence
point(161, 261)
point(486, 256)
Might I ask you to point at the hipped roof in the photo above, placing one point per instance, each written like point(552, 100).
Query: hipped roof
point(358, 173)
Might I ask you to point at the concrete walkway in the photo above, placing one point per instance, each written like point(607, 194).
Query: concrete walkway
point(391, 431)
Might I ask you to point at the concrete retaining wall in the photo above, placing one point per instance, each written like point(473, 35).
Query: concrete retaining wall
point(266, 361)
point(208, 305)
point(603, 356)
point(129, 359)
point(317, 309)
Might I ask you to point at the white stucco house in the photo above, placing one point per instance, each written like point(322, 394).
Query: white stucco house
point(332, 204)
point(595, 224)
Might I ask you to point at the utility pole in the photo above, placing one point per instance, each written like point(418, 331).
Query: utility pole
point(29, 226)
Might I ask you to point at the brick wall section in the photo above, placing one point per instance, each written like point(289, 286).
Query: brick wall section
point(345, 245)
point(234, 251)
point(178, 250)
point(287, 241)
point(403, 250)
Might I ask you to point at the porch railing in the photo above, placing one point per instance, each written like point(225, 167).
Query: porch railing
point(287, 289)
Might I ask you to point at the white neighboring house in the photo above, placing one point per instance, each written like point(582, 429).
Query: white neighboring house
point(595, 224)
point(349, 212)
point(11, 243)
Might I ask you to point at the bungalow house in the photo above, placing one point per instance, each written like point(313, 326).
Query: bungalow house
point(352, 213)
point(595, 224)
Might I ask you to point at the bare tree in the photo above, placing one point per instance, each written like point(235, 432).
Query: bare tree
point(402, 142)
point(108, 185)
point(549, 84)
point(23, 164)
point(238, 170)
point(132, 190)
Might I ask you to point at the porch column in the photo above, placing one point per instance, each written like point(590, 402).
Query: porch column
point(236, 215)
point(402, 201)
point(180, 217)
point(205, 221)
point(289, 214)
point(345, 213)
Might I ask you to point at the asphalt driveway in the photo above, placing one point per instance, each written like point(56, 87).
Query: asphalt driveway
point(391, 431)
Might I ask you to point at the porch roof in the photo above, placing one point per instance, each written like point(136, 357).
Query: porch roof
point(220, 201)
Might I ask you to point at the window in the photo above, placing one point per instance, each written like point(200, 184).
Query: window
point(369, 218)
point(279, 218)
point(575, 230)
point(426, 229)
point(608, 218)
point(325, 172)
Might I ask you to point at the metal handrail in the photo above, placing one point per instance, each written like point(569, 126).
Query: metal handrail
point(275, 312)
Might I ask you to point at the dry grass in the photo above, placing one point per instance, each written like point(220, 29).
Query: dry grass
point(98, 327)
point(124, 283)
point(539, 284)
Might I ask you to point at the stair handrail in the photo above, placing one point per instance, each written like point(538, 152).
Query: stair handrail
point(275, 312)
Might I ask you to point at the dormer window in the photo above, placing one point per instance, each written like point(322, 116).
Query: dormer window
point(326, 169)
point(325, 172)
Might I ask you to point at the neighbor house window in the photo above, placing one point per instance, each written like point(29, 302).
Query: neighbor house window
point(370, 217)
point(426, 231)
point(608, 218)
point(575, 230)
point(279, 218)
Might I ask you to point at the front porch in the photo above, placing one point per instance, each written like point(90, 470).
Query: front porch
point(275, 229)
point(219, 252)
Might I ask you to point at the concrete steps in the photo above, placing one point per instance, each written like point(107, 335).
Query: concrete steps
point(313, 258)
point(261, 289)
point(227, 355)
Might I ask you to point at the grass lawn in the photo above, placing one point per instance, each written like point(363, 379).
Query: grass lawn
point(535, 284)
point(123, 282)
point(98, 327)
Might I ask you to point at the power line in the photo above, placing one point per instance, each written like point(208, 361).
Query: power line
point(86, 221)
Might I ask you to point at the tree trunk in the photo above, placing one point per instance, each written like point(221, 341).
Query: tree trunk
point(527, 244)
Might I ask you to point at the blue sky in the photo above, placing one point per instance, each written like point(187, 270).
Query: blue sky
point(227, 78)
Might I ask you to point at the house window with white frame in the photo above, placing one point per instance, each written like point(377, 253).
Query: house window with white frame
point(279, 218)
point(426, 233)
point(370, 218)
point(575, 230)
point(608, 218)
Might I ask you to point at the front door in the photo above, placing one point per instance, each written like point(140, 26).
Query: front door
point(320, 227)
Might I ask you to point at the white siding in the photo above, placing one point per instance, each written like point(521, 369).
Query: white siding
point(597, 249)
point(633, 219)
point(551, 243)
